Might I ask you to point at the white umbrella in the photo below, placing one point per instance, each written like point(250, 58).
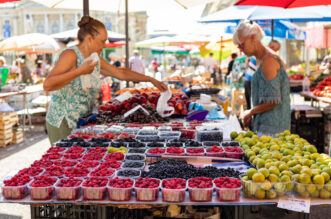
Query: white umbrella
point(32, 42)
point(72, 34)
point(160, 41)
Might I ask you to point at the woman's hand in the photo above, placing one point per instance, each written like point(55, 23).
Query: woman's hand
point(87, 67)
point(247, 118)
point(161, 86)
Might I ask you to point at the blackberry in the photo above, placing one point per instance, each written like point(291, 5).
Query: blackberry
point(137, 151)
point(134, 157)
point(230, 143)
point(177, 145)
point(133, 164)
point(136, 145)
point(192, 143)
point(155, 144)
point(128, 173)
point(82, 144)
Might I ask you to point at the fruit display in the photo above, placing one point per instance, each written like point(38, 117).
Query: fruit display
point(200, 189)
point(147, 189)
point(173, 190)
point(171, 168)
point(284, 164)
point(120, 189)
point(227, 188)
point(94, 188)
point(16, 187)
point(323, 88)
point(68, 188)
point(41, 188)
point(296, 77)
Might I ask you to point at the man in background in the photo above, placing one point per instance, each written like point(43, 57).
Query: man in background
point(211, 66)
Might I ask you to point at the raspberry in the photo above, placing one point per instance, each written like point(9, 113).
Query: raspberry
point(32, 171)
point(111, 164)
point(55, 150)
point(120, 183)
point(76, 172)
point(43, 181)
point(88, 164)
point(54, 170)
point(52, 156)
point(75, 150)
point(175, 183)
point(175, 150)
point(103, 172)
point(227, 182)
point(147, 183)
point(215, 149)
point(95, 182)
point(17, 181)
point(69, 182)
point(115, 156)
point(156, 151)
point(200, 182)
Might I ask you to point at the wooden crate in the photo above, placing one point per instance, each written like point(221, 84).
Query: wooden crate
point(8, 120)
point(17, 136)
point(6, 140)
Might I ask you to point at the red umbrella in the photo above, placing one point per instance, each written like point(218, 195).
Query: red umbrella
point(4, 1)
point(284, 3)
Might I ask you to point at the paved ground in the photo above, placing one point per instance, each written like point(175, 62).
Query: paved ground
point(12, 163)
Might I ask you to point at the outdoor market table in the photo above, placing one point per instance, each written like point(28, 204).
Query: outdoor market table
point(25, 92)
point(312, 96)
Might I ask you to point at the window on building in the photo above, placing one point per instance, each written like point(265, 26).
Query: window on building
point(55, 28)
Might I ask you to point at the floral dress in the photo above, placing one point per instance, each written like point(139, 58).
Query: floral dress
point(72, 102)
point(276, 90)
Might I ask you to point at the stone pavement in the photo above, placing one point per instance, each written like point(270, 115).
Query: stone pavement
point(12, 164)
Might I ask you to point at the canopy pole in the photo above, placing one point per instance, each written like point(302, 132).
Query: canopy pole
point(272, 29)
point(126, 35)
point(86, 8)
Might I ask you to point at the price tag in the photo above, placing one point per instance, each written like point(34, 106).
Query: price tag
point(124, 96)
point(294, 204)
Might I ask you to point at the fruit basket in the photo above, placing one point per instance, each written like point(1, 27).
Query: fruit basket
point(234, 152)
point(147, 189)
point(68, 188)
point(42, 187)
point(215, 151)
point(120, 189)
point(322, 191)
point(266, 189)
point(16, 187)
point(134, 165)
point(170, 135)
point(227, 188)
point(128, 173)
point(195, 151)
point(200, 189)
point(94, 188)
point(135, 157)
point(173, 190)
point(209, 134)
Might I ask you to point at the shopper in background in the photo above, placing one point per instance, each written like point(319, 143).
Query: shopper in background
point(25, 72)
point(154, 65)
point(274, 45)
point(115, 62)
point(39, 69)
point(250, 70)
point(230, 65)
point(211, 66)
point(326, 64)
point(270, 83)
point(69, 101)
point(15, 70)
point(136, 63)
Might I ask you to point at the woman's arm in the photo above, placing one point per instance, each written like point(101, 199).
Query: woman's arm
point(128, 75)
point(65, 71)
point(263, 107)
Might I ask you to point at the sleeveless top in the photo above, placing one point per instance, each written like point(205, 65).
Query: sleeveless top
point(72, 102)
point(276, 90)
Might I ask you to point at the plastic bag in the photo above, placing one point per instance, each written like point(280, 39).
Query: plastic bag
point(86, 79)
point(162, 105)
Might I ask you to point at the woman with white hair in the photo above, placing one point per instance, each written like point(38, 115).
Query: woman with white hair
point(270, 84)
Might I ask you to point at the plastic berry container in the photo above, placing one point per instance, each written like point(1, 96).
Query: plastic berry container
point(120, 192)
point(235, 155)
point(227, 194)
point(147, 138)
point(230, 144)
point(188, 133)
point(17, 191)
point(56, 149)
point(128, 173)
point(73, 156)
point(31, 171)
point(89, 164)
point(311, 190)
point(170, 135)
point(103, 172)
point(156, 151)
point(134, 165)
point(174, 151)
point(200, 194)
point(199, 151)
point(76, 172)
point(209, 134)
point(42, 192)
point(147, 194)
point(173, 195)
point(164, 129)
point(52, 156)
point(215, 151)
point(135, 157)
point(66, 163)
point(64, 192)
point(92, 191)
point(211, 143)
point(155, 145)
point(137, 151)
